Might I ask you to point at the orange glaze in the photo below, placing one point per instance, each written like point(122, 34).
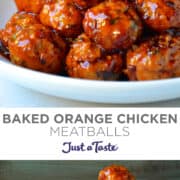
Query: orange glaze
point(160, 15)
point(34, 48)
point(85, 60)
point(112, 25)
point(17, 22)
point(64, 17)
point(115, 172)
point(34, 6)
point(85, 4)
point(158, 58)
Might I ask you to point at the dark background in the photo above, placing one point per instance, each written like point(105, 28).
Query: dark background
point(85, 170)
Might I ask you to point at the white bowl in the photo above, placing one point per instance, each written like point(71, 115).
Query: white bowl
point(85, 90)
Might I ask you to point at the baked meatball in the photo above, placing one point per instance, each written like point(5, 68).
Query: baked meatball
point(17, 22)
point(37, 48)
point(158, 58)
point(85, 4)
point(160, 15)
point(113, 25)
point(85, 60)
point(64, 17)
point(115, 172)
point(34, 6)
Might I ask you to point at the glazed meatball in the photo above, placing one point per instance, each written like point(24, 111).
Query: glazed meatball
point(64, 17)
point(84, 4)
point(113, 25)
point(115, 172)
point(34, 6)
point(18, 21)
point(158, 58)
point(85, 60)
point(37, 48)
point(160, 15)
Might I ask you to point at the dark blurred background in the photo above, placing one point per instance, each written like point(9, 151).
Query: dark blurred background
point(85, 170)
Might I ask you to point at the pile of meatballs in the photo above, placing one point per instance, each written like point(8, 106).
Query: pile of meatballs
point(96, 39)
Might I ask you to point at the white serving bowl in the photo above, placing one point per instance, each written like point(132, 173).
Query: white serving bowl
point(85, 90)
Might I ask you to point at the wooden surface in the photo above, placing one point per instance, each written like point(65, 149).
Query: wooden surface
point(85, 170)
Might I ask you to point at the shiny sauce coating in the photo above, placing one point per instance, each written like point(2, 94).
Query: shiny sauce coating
point(157, 58)
point(115, 172)
point(86, 60)
point(160, 15)
point(62, 16)
point(34, 6)
point(33, 48)
point(113, 25)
